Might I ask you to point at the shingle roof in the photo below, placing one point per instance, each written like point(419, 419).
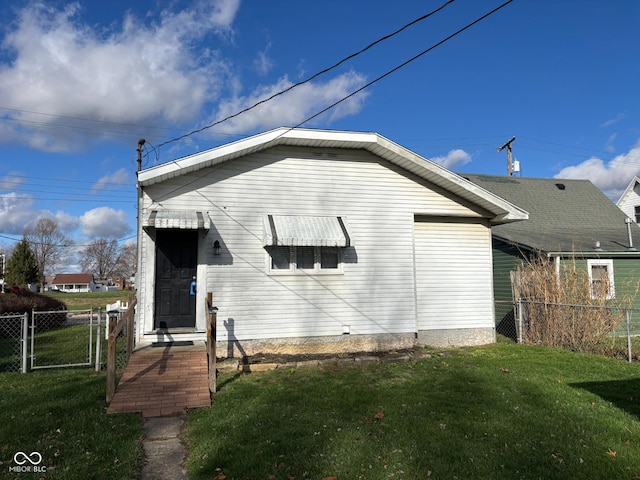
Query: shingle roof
point(564, 215)
point(72, 278)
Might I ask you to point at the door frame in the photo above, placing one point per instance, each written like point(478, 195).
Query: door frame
point(155, 323)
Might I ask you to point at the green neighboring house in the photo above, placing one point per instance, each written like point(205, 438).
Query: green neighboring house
point(569, 220)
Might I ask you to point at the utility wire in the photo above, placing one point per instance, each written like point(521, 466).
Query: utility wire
point(353, 55)
point(412, 59)
point(361, 88)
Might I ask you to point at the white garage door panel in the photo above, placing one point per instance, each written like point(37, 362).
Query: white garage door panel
point(453, 275)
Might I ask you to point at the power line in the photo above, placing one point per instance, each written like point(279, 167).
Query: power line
point(64, 245)
point(412, 59)
point(363, 87)
point(353, 55)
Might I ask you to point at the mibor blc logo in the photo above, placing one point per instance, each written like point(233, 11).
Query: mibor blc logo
point(27, 463)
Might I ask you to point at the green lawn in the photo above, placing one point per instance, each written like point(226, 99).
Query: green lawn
point(503, 411)
point(86, 301)
point(61, 415)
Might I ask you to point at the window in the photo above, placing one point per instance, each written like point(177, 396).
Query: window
point(317, 260)
point(636, 212)
point(601, 279)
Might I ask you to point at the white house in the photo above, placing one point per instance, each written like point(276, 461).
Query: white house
point(315, 241)
point(629, 201)
point(73, 283)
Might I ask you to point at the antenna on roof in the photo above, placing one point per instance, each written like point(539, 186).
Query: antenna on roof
point(509, 153)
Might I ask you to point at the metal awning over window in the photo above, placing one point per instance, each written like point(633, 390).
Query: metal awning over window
point(181, 219)
point(305, 231)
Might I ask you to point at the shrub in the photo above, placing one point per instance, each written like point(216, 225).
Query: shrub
point(563, 310)
point(20, 300)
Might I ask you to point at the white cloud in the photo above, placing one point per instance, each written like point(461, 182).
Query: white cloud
point(17, 213)
point(104, 222)
point(455, 158)
point(611, 177)
point(294, 106)
point(139, 72)
point(15, 209)
point(120, 177)
point(610, 146)
point(612, 121)
point(263, 62)
point(11, 181)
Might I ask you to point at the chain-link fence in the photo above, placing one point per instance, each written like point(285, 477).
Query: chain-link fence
point(13, 342)
point(603, 329)
point(121, 341)
point(63, 338)
point(506, 320)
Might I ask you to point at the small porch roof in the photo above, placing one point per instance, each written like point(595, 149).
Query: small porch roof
point(305, 231)
point(180, 219)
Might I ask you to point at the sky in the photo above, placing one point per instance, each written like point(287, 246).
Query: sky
point(81, 82)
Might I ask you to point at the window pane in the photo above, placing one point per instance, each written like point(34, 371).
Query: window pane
point(329, 257)
point(600, 280)
point(280, 257)
point(305, 257)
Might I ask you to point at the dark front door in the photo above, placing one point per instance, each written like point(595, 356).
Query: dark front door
point(176, 261)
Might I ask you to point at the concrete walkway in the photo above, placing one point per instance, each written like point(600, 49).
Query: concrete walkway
point(161, 383)
point(164, 452)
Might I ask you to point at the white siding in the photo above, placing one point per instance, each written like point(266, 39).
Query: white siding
point(453, 275)
point(630, 201)
point(376, 292)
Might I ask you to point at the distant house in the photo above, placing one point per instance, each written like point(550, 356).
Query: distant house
point(74, 283)
point(629, 201)
point(569, 220)
point(315, 241)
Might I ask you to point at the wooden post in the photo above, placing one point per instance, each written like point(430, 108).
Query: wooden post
point(130, 317)
point(111, 361)
point(212, 319)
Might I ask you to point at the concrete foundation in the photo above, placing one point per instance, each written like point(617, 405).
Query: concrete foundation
point(356, 343)
point(461, 337)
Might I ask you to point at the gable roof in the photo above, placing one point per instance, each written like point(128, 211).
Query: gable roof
point(502, 210)
point(72, 278)
point(565, 216)
point(629, 190)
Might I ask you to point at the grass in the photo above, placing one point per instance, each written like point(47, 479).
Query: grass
point(61, 415)
point(502, 411)
point(86, 301)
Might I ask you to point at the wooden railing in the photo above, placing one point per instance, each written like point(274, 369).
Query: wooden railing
point(212, 319)
point(115, 328)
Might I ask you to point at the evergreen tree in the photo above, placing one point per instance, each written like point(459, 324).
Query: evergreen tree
point(22, 268)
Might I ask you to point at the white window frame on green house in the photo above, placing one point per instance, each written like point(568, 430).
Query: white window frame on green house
point(296, 260)
point(597, 264)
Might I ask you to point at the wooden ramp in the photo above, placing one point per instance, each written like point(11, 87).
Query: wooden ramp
point(163, 381)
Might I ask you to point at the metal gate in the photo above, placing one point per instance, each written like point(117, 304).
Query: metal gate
point(64, 338)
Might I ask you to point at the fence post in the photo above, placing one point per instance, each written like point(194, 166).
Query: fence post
point(111, 361)
point(130, 317)
point(212, 318)
point(520, 322)
point(25, 339)
point(99, 341)
point(33, 338)
point(628, 315)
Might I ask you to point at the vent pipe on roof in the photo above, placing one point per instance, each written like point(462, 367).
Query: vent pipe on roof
point(628, 222)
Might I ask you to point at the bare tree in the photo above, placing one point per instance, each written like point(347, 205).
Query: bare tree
point(49, 245)
point(107, 259)
point(128, 260)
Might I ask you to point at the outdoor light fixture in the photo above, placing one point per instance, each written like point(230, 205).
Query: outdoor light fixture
point(216, 247)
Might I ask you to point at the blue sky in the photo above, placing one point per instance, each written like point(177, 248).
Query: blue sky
point(81, 82)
